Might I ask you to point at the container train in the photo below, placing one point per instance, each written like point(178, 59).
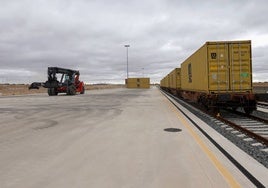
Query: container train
point(218, 75)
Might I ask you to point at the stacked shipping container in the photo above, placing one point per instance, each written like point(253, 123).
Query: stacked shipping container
point(219, 67)
point(172, 82)
point(219, 74)
point(138, 83)
point(174, 78)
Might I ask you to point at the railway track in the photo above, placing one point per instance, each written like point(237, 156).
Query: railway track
point(262, 105)
point(252, 126)
point(249, 133)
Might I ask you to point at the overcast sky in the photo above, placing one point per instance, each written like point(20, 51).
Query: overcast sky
point(89, 35)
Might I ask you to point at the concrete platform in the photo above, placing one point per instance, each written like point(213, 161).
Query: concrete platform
point(106, 138)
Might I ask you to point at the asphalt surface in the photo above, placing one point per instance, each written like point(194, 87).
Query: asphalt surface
point(105, 138)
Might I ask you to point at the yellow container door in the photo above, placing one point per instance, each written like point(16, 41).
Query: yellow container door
point(240, 66)
point(229, 67)
point(218, 67)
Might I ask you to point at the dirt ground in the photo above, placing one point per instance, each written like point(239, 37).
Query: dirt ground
point(260, 84)
point(22, 89)
point(260, 87)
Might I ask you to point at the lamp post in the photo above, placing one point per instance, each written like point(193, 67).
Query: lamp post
point(127, 46)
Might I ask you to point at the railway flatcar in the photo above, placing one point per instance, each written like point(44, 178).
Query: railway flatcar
point(219, 74)
point(172, 82)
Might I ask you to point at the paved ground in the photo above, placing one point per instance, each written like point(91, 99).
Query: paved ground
point(105, 138)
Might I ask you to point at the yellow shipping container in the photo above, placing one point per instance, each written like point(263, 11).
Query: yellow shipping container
point(223, 66)
point(164, 83)
point(138, 83)
point(174, 79)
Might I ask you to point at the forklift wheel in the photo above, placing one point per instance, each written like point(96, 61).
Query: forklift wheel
point(83, 90)
point(71, 90)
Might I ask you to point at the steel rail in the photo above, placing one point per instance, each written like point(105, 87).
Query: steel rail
point(262, 105)
point(251, 117)
point(244, 130)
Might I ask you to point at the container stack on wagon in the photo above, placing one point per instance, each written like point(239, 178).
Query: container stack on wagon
point(219, 74)
point(172, 82)
point(164, 83)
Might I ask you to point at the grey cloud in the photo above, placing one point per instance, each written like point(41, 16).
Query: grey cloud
point(90, 35)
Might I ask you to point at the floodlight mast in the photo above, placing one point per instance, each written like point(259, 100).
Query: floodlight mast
point(127, 46)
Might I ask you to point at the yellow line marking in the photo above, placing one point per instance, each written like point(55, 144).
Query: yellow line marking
point(223, 171)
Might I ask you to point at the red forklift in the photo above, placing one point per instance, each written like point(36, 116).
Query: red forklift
point(69, 82)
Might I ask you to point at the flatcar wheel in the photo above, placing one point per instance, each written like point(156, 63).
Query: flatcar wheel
point(206, 107)
point(248, 110)
point(215, 110)
point(234, 108)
